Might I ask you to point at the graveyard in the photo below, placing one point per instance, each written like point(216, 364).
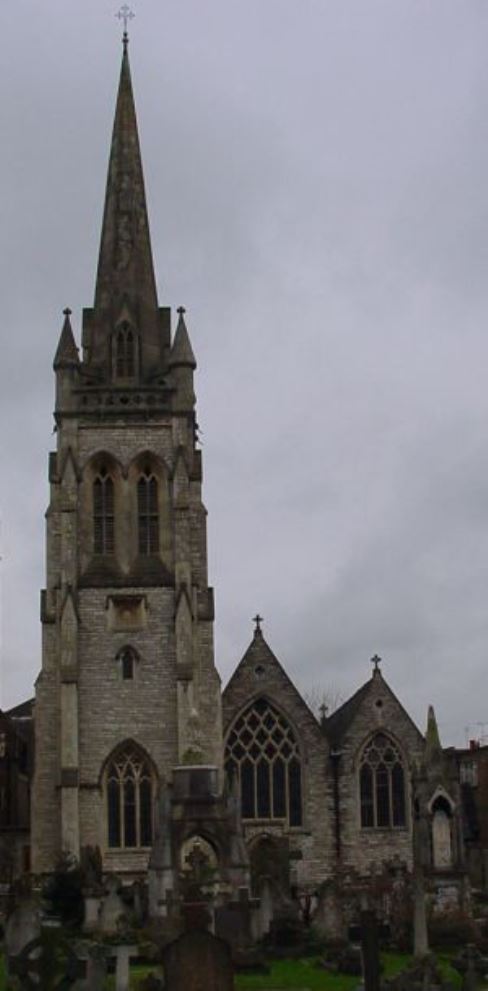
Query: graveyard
point(50, 942)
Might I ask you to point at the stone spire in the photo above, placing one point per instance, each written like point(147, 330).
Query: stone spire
point(125, 265)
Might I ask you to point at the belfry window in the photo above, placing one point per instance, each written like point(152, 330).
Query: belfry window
point(125, 352)
point(148, 513)
point(262, 751)
point(382, 785)
point(103, 513)
point(129, 787)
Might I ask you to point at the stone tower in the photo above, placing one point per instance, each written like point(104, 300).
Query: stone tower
point(128, 687)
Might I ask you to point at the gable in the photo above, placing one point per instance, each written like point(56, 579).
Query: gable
point(374, 708)
point(260, 674)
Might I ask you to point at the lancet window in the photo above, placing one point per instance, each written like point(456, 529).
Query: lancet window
point(127, 658)
point(103, 513)
point(382, 784)
point(129, 792)
point(125, 352)
point(262, 751)
point(148, 513)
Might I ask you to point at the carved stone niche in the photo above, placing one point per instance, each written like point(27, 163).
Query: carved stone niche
point(126, 612)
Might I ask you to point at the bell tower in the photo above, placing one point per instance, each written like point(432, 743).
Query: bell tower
point(128, 687)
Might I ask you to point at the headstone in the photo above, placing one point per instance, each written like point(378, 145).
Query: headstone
point(265, 912)
point(420, 933)
point(112, 910)
point(49, 962)
point(123, 953)
point(198, 961)
point(370, 950)
point(92, 912)
point(23, 925)
point(96, 968)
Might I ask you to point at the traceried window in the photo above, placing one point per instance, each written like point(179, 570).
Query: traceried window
point(125, 352)
point(148, 513)
point(382, 784)
point(262, 751)
point(103, 513)
point(129, 789)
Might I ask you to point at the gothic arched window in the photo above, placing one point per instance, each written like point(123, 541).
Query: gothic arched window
point(382, 784)
point(129, 785)
point(148, 513)
point(103, 513)
point(262, 751)
point(125, 352)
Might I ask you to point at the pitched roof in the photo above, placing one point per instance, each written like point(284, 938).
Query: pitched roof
point(338, 723)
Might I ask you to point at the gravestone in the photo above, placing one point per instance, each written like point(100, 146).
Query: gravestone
point(96, 967)
point(112, 909)
point(123, 953)
point(198, 961)
point(49, 962)
point(371, 950)
point(23, 925)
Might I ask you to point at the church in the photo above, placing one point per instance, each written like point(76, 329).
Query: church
point(128, 695)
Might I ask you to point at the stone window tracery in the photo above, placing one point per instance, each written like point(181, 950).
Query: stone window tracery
point(129, 785)
point(103, 513)
point(382, 784)
point(262, 750)
point(148, 513)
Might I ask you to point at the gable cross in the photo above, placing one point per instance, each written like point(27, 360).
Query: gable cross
point(376, 661)
point(257, 619)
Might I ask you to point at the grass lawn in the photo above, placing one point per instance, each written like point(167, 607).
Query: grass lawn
point(289, 974)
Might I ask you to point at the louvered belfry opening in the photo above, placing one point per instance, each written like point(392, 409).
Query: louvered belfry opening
point(148, 513)
point(103, 513)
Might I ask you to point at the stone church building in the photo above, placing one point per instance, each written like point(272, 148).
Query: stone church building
point(128, 692)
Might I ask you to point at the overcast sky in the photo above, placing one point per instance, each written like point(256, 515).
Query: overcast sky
point(317, 179)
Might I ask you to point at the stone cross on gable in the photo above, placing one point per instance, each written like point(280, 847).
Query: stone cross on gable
point(257, 619)
point(376, 661)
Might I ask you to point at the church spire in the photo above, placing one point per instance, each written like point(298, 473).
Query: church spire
point(125, 265)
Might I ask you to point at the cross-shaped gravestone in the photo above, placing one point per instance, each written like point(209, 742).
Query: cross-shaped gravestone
point(48, 962)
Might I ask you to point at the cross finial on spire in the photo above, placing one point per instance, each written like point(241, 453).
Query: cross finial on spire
point(181, 310)
point(67, 312)
point(257, 619)
point(376, 661)
point(125, 14)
